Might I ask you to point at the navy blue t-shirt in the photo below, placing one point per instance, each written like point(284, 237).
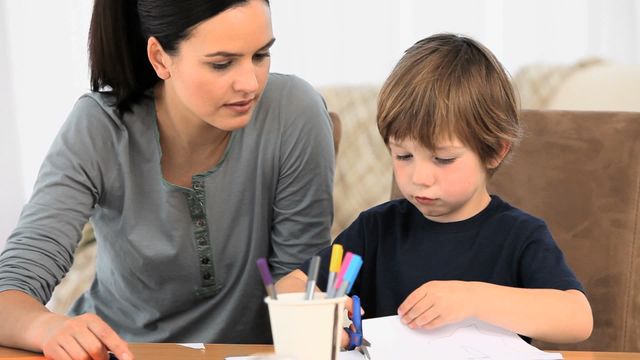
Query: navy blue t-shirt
point(402, 250)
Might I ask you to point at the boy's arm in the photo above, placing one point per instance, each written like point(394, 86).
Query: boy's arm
point(295, 281)
point(543, 314)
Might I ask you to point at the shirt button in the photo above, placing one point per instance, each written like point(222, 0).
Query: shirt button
point(200, 222)
point(205, 260)
point(206, 276)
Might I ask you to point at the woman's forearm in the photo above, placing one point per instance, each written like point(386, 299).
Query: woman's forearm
point(25, 321)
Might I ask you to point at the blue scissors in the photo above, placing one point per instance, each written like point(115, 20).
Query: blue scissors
point(356, 340)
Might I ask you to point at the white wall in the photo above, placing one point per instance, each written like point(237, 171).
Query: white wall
point(43, 60)
point(358, 41)
point(11, 183)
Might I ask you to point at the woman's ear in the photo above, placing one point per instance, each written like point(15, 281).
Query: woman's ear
point(158, 58)
point(495, 162)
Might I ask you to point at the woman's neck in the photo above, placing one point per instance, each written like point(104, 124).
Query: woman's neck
point(183, 133)
point(189, 145)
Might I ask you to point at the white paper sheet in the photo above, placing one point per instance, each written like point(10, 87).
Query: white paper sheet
point(470, 339)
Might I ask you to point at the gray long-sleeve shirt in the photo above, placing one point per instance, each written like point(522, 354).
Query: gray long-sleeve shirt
point(177, 264)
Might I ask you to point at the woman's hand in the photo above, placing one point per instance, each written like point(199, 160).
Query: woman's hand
point(82, 337)
point(437, 303)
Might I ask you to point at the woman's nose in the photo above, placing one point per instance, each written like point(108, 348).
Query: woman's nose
point(247, 81)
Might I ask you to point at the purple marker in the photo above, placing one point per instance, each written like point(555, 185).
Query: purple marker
point(266, 278)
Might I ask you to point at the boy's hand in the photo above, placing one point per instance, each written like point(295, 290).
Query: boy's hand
point(437, 303)
point(345, 337)
point(82, 337)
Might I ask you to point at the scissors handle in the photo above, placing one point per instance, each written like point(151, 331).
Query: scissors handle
point(355, 339)
point(357, 318)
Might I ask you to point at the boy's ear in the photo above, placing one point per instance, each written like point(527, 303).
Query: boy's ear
point(158, 58)
point(495, 162)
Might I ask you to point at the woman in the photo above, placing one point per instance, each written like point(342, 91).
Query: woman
point(192, 161)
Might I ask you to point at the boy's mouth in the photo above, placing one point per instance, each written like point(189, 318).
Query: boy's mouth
point(424, 200)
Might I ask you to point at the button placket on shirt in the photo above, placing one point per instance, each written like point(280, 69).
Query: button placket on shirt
point(196, 201)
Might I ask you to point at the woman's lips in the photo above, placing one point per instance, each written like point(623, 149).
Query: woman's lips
point(240, 106)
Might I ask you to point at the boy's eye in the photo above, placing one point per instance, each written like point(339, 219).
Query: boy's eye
point(444, 161)
point(404, 157)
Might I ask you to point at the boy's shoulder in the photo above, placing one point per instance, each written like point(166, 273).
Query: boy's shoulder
point(506, 213)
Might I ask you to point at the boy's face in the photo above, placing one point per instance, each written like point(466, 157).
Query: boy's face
point(447, 184)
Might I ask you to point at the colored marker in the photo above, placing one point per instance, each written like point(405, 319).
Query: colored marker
point(334, 265)
point(266, 278)
point(350, 275)
point(313, 275)
point(340, 276)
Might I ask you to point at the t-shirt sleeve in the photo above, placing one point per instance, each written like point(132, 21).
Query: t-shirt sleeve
point(303, 204)
point(542, 263)
point(40, 250)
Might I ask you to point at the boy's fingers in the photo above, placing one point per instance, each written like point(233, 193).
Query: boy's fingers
point(345, 340)
point(349, 306)
point(411, 300)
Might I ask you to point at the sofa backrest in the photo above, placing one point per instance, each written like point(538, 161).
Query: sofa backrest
point(580, 172)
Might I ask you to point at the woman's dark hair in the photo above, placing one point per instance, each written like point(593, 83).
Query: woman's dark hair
point(118, 37)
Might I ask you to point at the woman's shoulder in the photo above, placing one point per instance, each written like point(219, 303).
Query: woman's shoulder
point(99, 109)
point(292, 105)
point(290, 90)
point(93, 103)
point(288, 83)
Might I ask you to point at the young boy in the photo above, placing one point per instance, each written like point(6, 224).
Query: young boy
point(449, 250)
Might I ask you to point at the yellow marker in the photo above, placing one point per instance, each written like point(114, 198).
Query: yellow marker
point(334, 267)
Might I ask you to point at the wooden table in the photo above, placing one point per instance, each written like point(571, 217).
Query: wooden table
point(220, 351)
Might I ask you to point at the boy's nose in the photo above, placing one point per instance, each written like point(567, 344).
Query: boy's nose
point(423, 176)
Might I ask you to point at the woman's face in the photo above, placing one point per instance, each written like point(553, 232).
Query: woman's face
point(222, 67)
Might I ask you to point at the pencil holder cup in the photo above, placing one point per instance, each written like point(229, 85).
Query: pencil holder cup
point(306, 329)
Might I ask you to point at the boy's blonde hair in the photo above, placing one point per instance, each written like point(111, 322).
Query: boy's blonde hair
point(448, 86)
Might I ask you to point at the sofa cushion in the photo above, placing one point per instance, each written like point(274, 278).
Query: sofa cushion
point(580, 172)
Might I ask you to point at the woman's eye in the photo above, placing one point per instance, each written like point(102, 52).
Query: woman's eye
point(261, 56)
point(444, 161)
point(220, 66)
point(404, 157)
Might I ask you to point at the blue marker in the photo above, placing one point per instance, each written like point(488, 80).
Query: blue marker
point(350, 275)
